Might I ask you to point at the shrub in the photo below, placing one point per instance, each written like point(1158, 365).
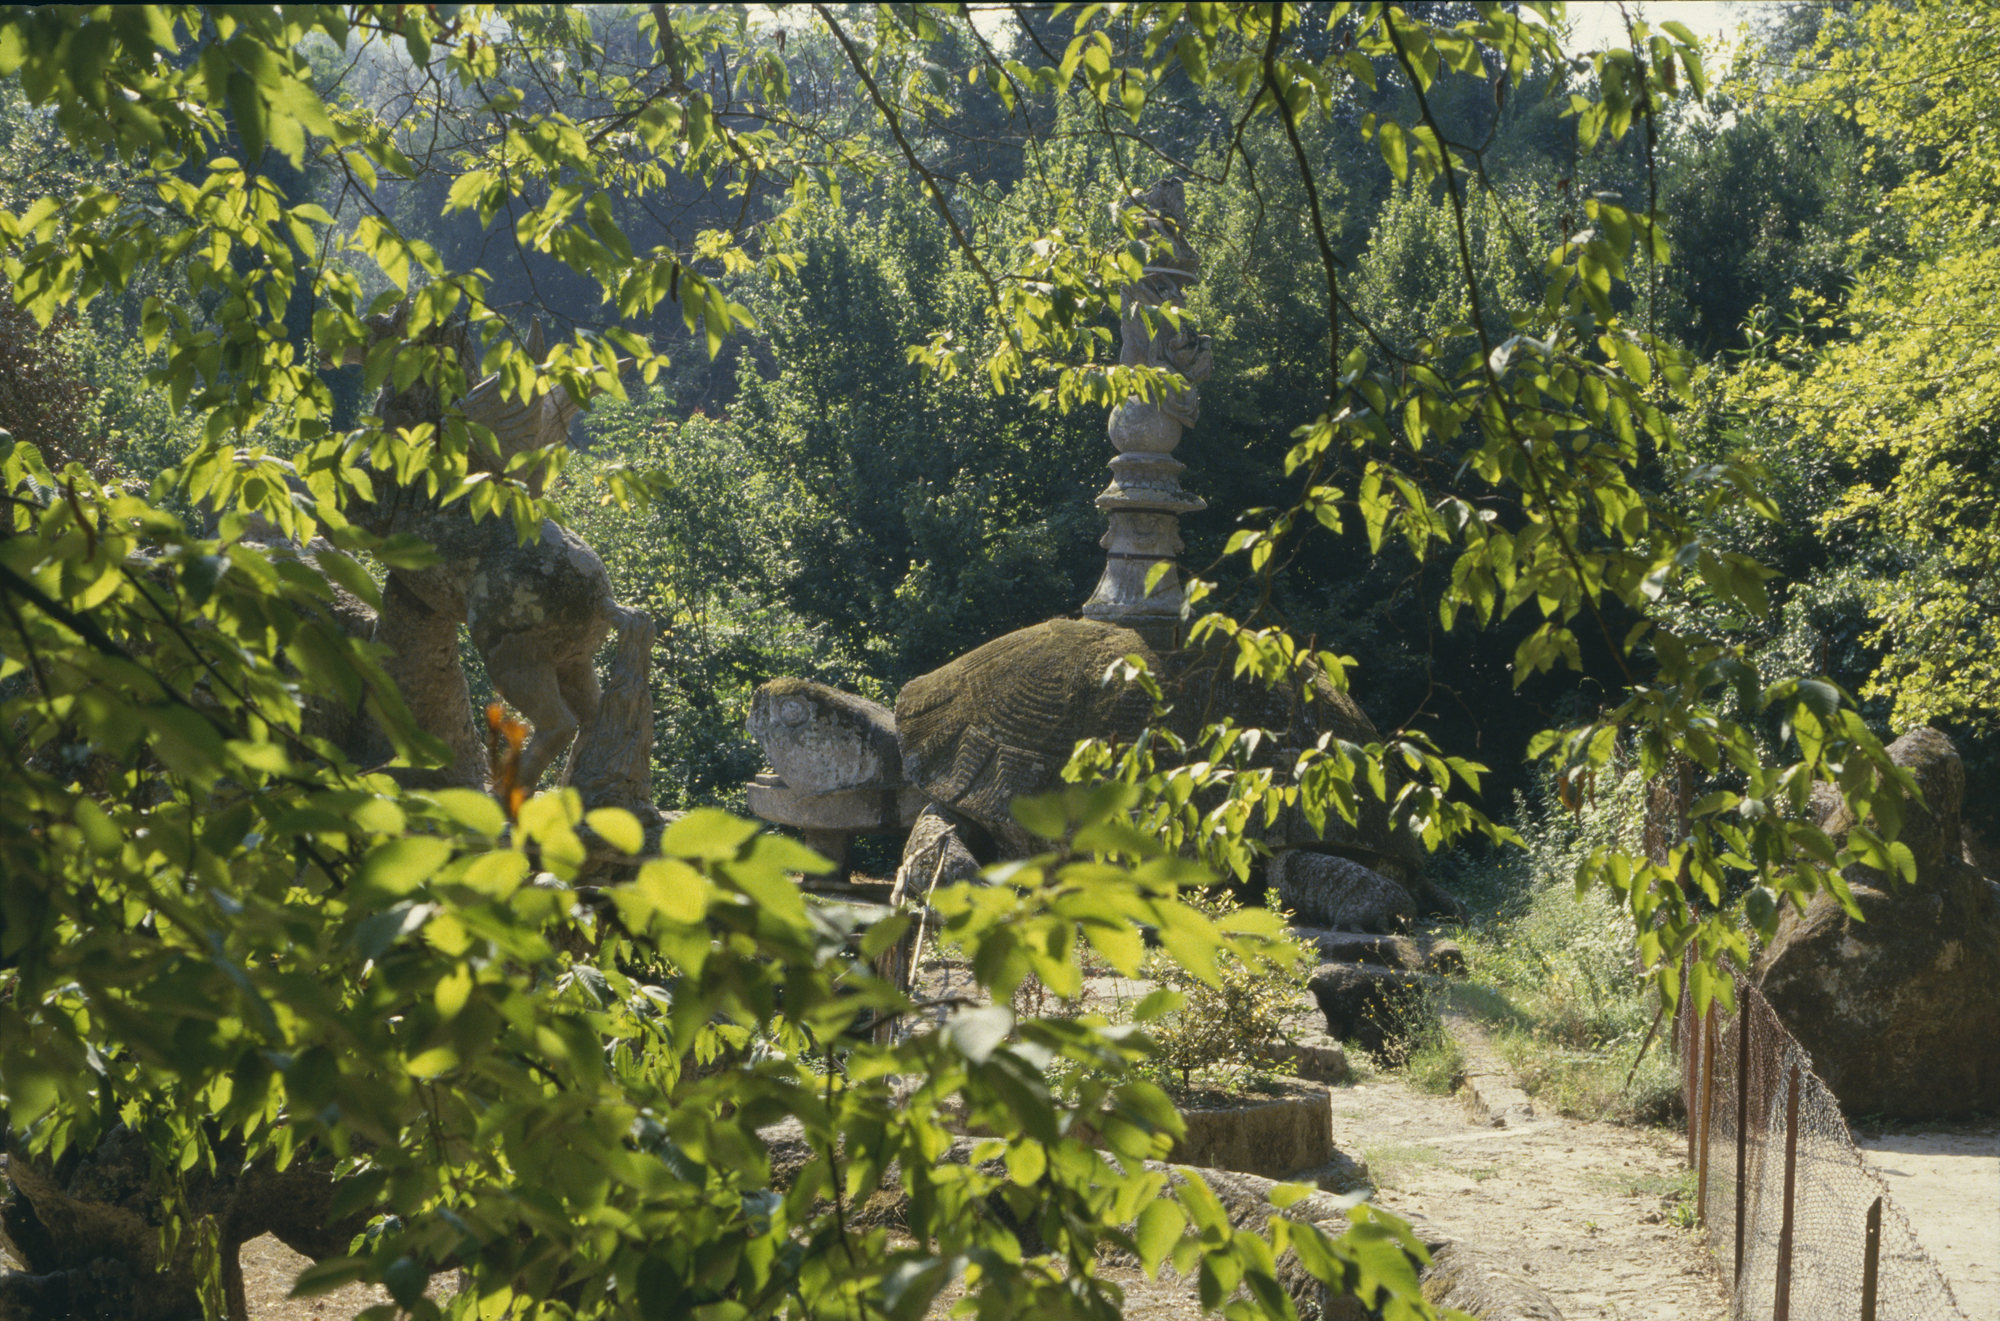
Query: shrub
point(1221, 1037)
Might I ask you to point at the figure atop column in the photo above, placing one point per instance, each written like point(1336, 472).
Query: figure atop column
point(1144, 500)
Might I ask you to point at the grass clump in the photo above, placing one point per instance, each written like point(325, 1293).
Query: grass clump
point(1420, 1048)
point(1437, 1067)
point(1391, 1162)
point(1552, 972)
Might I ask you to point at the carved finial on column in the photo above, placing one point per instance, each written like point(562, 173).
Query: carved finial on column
point(1144, 500)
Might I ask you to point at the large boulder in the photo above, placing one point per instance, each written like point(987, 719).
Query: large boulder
point(1379, 1009)
point(1900, 1011)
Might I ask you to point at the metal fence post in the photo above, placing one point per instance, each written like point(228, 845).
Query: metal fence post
point(1690, 1045)
point(1871, 1260)
point(1781, 1309)
point(1742, 1129)
point(1707, 1113)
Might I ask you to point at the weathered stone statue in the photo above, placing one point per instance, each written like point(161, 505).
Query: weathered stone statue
point(538, 612)
point(86, 1228)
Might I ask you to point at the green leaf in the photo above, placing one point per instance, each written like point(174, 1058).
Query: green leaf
point(1045, 816)
point(247, 110)
point(707, 833)
point(617, 827)
point(472, 809)
point(1395, 149)
point(977, 1033)
point(350, 575)
point(100, 834)
point(398, 866)
point(497, 874)
point(1027, 1161)
point(1159, 1229)
point(675, 890)
point(1158, 1002)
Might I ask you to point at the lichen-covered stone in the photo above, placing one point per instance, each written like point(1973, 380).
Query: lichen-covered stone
point(537, 611)
point(1462, 1279)
point(1001, 721)
point(1274, 1136)
point(937, 854)
point(1410, 953)
point(1324, 890)
point(1374, 1007)
point(1900, 1012)
point(1317, 1057)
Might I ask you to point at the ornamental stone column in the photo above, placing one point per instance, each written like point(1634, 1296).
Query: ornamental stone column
point(1144, 501)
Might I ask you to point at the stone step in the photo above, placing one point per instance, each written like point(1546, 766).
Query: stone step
point(1419, 953)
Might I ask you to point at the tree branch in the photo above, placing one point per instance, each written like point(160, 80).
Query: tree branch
point(909, 153)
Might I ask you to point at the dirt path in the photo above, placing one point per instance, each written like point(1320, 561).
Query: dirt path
point(1584, 1210)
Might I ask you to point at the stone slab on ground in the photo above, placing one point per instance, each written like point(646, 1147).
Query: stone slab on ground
point(1489, 1088)
point(1945, 1178)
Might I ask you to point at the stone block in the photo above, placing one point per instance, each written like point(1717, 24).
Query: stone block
point(1319, 1058)
point(1266, 1137)
point(888, 808)
point(1325, 890)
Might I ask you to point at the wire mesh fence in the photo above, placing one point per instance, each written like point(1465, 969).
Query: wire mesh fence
point(1801, 1229)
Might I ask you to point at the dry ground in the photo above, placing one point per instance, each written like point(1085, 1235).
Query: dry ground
point(1585, 1210)
point(1946, 1180)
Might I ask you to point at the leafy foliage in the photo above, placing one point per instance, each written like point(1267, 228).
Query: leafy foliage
point(1212, 1037)
point(217, 930)
point(1900, 388)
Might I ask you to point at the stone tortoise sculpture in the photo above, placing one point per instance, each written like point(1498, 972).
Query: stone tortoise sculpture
point(1001, 721)
point(837, 768)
